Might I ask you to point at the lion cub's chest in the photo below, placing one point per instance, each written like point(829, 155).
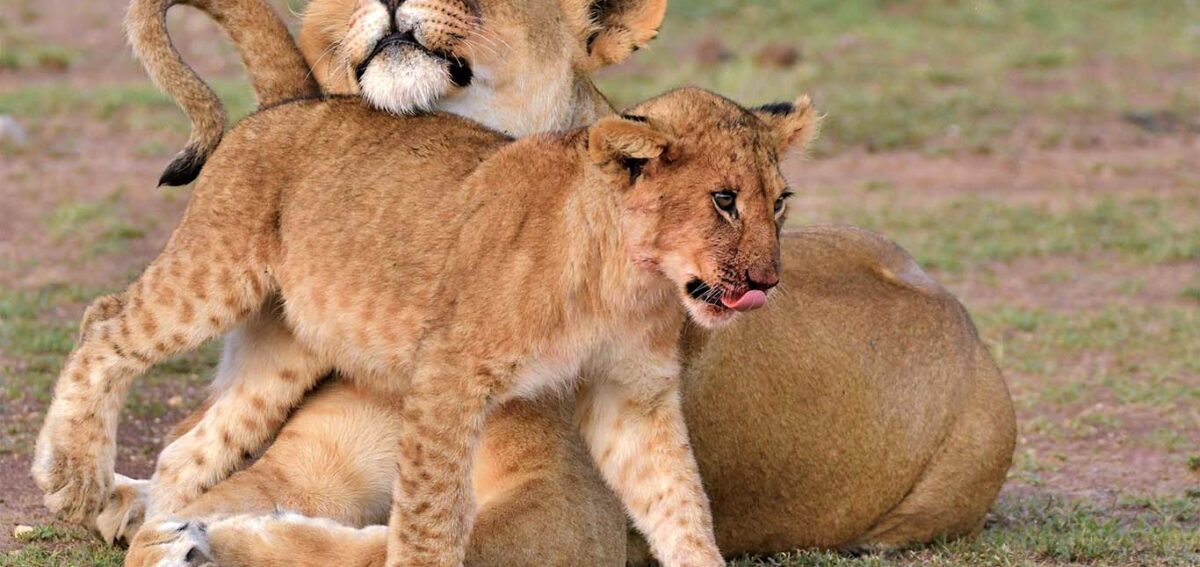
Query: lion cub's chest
point(554, 366)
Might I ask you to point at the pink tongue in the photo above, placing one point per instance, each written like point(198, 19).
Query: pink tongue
point(748, 301)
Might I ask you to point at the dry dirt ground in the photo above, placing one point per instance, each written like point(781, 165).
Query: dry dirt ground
point(1071, 231)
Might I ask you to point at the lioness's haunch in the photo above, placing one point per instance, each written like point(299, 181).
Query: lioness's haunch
point(590, 242)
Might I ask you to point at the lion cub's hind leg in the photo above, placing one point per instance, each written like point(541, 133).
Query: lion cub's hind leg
point(264, 374)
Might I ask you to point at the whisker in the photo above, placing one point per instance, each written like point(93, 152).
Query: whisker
point(469, 41)
point(329, 50)
point(492, 39)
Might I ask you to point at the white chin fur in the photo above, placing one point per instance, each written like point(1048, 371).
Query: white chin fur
point(405, 83)
point(708, 316)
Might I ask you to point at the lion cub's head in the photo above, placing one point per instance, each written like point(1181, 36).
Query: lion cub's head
point(703, 199)
point(518, 66)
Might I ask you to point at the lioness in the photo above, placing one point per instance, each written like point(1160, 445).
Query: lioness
point(871, 411)
point(591, 241)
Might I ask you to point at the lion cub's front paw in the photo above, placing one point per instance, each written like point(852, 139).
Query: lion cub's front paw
point(170, 544)
point(71, 475)
point(125, 510)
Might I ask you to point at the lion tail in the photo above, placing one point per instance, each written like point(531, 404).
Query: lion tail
point(277, 70)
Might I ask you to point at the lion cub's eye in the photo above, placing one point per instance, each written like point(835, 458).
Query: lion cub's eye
point(781, 202)
point(726, 202)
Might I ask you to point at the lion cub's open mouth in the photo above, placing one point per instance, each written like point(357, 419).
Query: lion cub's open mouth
point(399, 42)
point(724, 300)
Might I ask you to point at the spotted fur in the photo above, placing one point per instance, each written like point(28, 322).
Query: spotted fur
point(589, 270)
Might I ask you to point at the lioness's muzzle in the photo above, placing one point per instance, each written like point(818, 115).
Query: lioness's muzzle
point(459, 69)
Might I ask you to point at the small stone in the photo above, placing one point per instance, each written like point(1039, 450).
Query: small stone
point(711, 51)
point(11, 131)
point(175, 401)
point(23, 532)
point(778, 55)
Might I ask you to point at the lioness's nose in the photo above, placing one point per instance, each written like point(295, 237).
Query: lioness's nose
point(762, 278)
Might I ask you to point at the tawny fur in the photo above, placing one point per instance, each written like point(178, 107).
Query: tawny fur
point(562, 30)
point(532, 479)
point(277, 69)
point(531, 58)
point(828, 404)
point(588, 258)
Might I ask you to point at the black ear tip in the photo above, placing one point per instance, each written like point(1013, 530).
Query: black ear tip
point(777, 108)
point(184, 169)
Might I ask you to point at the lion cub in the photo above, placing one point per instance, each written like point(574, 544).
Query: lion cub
point(489, 270)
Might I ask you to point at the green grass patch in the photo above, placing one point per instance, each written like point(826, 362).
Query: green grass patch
point(1146, 356)
point(100, 227)
point(141, 105)
point(46, 533)
point(973, 231)
point(1022, 531)
point(1044, 530)
point(35, 337)
point(50, 546)
point(38, 329)
point(939, 75)
point(20, 55)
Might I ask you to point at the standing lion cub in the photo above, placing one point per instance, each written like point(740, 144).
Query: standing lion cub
point(490, 270)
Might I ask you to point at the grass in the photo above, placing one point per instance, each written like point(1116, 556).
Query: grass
point(935, 75)
point(972, 231)
point(1155, 342)
point(1022, 531)
point(21, 53)
point(1050, 531)
point(140, 106)
point(98, 227)
point(38, 329)
point(83, 555)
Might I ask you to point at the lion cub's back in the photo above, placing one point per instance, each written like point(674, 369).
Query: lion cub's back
point(357, 142)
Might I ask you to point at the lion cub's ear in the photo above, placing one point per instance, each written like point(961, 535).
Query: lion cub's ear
point(625, 143)
point(796, 124)
point(620, 27)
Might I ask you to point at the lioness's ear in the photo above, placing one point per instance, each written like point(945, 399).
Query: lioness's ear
point(620, 27)
point(796, 124)
point(625, 143)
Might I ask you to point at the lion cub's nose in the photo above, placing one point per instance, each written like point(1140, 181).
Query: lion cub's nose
point(762, 279)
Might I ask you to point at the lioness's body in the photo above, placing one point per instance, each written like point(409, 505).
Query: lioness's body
point(807, 432)
point(860, 409)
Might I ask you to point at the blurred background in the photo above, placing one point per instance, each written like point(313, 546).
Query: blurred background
point(1041, 158)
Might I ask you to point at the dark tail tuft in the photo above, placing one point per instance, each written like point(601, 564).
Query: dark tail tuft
point(777, 108)
point(184, 169)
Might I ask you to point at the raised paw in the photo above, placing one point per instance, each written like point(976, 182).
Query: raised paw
point(170, 544)
point(125, 510)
